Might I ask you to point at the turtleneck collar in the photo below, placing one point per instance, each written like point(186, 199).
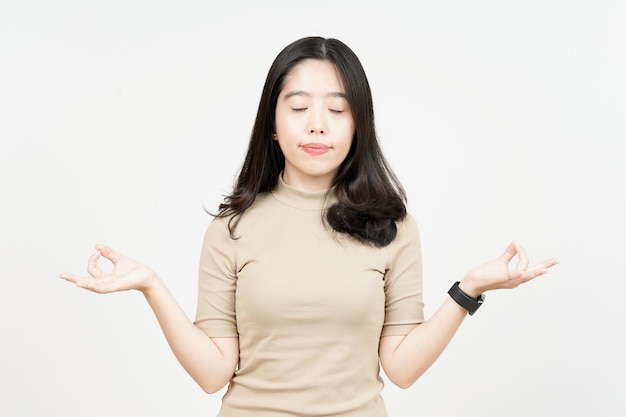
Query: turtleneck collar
point(302, 200)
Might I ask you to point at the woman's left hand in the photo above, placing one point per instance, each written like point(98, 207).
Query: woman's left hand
point(499, 274)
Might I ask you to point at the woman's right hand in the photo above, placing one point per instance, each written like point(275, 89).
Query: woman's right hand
point(127, 274)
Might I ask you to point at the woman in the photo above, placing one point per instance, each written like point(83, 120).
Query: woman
point(310, 273)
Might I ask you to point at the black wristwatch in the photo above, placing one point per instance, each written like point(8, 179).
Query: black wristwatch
point(466, 301)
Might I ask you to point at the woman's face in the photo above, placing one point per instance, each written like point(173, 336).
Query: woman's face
point(314, 125)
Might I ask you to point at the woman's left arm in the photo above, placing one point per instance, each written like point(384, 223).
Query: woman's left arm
point(405, 358)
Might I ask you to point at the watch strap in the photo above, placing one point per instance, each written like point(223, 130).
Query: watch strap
point(466, 301)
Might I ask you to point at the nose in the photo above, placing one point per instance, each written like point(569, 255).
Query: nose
point(317, 121)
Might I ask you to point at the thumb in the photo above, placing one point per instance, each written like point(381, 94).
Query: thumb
point(109, 253)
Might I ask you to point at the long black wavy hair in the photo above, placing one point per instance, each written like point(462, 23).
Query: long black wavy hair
point(370, 199)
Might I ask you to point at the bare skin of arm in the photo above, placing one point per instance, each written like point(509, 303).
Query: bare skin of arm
point(405, 358)
point(211, 362)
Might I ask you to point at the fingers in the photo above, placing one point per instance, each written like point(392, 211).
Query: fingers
point(78, 280)
point(522, 272)
point(522, 264)
point(539, 269)
point(105, 252)
point(108, 253)
point(549, 263)
point(101, 286)
point(96, 281)
point(509, 253)
point(92, 265)
point(70, 277)
point(515, 249)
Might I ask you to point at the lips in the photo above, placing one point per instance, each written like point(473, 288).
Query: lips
point(315, 148)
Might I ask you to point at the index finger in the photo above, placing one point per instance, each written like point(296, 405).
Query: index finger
point(92, 265)
point(515, 248)
point(522, 264)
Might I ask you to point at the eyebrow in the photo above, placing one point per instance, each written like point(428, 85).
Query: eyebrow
point(305, 94)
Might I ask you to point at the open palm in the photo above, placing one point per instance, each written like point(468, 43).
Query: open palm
point(127, 274)
point(499, 273)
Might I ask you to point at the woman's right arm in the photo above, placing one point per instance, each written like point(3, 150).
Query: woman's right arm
point(211, 362)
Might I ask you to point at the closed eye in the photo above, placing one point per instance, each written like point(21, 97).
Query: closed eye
point(336, 111)
point(299, 109)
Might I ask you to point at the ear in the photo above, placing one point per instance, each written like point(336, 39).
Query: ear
point(275, 136)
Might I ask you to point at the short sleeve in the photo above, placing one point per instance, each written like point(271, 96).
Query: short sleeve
point(217, 280)
point(404, 305)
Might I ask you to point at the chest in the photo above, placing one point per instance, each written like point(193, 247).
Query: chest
point(304, 275)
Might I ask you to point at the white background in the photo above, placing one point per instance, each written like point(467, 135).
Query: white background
point(120, 120)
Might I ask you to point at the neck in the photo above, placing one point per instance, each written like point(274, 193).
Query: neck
point(308, 183)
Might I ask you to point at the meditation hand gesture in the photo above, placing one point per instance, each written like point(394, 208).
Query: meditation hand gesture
point(127, 274)
point(498, 273)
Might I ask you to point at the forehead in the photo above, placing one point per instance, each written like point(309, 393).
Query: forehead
point(313, 76)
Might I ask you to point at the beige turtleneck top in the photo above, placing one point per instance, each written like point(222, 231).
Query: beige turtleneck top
point(308, 305)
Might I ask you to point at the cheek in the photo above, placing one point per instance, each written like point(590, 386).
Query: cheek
point(284, 123)
point(348, 133)
point(344, 145)
point(279, 116)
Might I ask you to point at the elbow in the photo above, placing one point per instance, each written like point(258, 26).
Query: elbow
point(402, 377)
point(213, 385)
point(211, 388)
point(406, 385)
point(212, 382)
point(403, 382)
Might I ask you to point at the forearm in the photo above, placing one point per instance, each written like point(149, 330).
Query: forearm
point(406, 358)
point(209, 362)
point(414, 353)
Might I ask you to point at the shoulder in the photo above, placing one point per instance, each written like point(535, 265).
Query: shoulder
point(217, 231)
point(407, 237)
point(220, 225)
point(407, 227)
